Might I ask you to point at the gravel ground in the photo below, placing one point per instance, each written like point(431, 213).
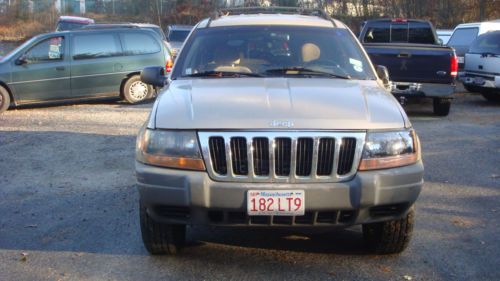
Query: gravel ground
point(69, 208)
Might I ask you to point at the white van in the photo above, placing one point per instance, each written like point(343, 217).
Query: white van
point(464, 34)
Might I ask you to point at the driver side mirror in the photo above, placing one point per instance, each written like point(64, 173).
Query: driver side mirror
point(154, 75)
point(383, 74)
point(22, 60)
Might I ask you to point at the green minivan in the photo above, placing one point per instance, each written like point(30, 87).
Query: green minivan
point(80, 65)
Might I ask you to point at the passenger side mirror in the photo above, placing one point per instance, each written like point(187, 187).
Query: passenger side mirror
point(21, 60)
point(383, 74)
point(154, 75)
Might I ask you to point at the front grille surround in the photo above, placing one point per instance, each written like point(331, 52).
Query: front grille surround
point(272, 176)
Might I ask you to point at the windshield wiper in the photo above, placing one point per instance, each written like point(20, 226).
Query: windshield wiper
point(304, 71)
point(213, 73)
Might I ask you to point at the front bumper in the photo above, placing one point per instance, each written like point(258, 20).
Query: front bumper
point(410, 89)
point(191, 197)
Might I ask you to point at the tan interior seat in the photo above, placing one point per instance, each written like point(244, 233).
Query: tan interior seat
point(310, 52)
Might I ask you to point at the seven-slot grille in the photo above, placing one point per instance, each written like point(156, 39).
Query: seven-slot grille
point(282, 156)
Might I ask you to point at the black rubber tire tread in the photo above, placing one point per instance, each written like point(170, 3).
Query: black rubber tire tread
point(5, 99)
point(441, 106)
point(161, 238)
point(471, 88)
point(491, 96)
point(389, 237)
point(126, 93)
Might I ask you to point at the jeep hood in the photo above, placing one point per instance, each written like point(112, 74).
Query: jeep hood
point(276, 103)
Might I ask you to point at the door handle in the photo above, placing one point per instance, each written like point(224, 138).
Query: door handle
point(60, 68)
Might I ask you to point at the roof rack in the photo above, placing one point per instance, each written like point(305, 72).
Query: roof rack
point(270, 10)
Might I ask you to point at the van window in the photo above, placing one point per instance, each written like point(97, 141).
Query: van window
point(463, 37)
point(486, 44)
point(135, 43)
point(88, 46)
point(51, 49)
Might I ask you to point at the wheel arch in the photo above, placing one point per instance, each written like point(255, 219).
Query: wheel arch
point(6, 87)
point(125, 79)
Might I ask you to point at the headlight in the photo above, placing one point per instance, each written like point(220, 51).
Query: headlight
point(172, 149)
point(390, 149)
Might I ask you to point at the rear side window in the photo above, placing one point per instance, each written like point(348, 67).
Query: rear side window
point(135, 43)
point(486, 44)
point(463, 37)
point(89, 46)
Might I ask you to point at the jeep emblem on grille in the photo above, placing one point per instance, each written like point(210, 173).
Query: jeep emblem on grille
point(281, 123)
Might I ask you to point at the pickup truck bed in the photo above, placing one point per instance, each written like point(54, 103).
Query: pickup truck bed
point(418, 66)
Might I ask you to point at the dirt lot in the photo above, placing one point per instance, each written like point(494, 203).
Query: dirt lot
point(69, 208)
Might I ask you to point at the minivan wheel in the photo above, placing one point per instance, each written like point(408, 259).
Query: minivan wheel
point(389, 237)
point(161, 238)
point(441, 106)
point(135, 91)
point(4, 99)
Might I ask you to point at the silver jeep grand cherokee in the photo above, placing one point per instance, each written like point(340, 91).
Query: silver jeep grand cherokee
point(276, 120)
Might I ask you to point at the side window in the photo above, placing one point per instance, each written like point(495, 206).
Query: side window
point(51, 49)
point(135, 43)
point(89, 46)
point(463, 37)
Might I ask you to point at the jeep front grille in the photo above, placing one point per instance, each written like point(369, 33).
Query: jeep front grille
point(281, 156)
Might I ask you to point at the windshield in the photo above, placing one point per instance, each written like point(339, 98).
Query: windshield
point(178, 35)
point(274, 51)
point(12, 53)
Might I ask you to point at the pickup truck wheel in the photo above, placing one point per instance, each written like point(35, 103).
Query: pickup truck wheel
point(161, 238)
point(441, 106)
point(491, 96)
point(389, 237)
point(471, 89)
point(4, 99)
point(135, 91)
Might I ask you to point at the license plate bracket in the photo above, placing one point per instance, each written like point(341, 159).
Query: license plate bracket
point(275, 202)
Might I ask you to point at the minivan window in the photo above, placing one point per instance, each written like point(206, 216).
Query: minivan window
point(135, 43)
point(488, 43)
point(51, 49)
point(463, 36)
point(87, 46)
point(273, 51)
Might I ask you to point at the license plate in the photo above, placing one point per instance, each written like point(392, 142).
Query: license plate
point(275, 202)
point(461, 59)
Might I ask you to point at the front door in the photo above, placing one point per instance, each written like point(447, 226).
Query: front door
point(42, 72)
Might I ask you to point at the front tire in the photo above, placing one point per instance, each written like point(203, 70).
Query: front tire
point(389, 237)
point(441, 106)
point(160, 238)
point(4, 99)
point(136, 91)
